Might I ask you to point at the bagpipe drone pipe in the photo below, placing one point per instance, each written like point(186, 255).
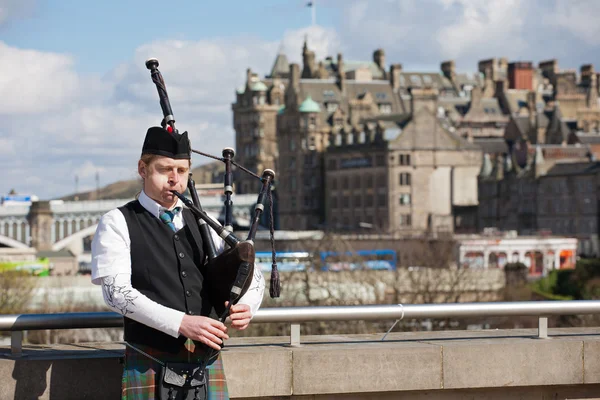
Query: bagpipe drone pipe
point(227, 275)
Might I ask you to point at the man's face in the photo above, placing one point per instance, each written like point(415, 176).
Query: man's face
point(162, 175)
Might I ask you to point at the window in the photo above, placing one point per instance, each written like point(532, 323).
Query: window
point(357, 201)
point(334, 202)
point(369, 201)
point(345, 182)
point(379, 160)
point(331, 107)
point(261, 132)
point(356, 182)
point(405, 199)
point(332, 164)
point(405, 220)
point(381, 200)
point(381, 181)
point(345, 202)
point(292, 162)
point(385, 108)
point(404, 159)
point(293, 183)
point(292, 145)
point(369, 181)
point(333, 184)
point(404, 179)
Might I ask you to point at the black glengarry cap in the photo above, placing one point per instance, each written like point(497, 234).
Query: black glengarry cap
point(173, 145)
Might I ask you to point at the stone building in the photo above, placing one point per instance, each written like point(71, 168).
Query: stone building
point(555, 193)
point(254, 121)
point(288, 119)
point(401, 172)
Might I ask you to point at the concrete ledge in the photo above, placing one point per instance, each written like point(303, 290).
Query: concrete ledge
point(441, 365)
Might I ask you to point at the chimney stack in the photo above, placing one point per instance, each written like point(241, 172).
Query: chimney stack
point(520, 75)
point(587, 70)
point(449, 70)
point(395, 71)
point(341, 76)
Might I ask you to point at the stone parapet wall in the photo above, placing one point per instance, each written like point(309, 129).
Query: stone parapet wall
point(449, 365)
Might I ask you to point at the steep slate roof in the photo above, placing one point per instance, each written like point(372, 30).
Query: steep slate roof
point(491, 145)
point(577, 168)
point(281, 66)
point(557, 131)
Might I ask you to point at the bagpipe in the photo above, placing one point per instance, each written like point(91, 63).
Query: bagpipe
point(227, 275)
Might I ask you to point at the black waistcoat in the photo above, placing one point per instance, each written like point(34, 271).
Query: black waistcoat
point(166, 267)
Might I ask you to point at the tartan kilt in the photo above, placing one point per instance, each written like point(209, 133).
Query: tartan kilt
point(141, 374)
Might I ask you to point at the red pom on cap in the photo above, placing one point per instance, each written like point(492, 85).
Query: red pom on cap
point(169, 129)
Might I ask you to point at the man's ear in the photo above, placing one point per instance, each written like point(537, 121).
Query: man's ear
point(142, 169)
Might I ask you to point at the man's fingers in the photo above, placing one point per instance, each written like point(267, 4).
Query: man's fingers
point(210, 343)
point(218, 325)
point(239, 323)
point(240, 308)
point(217, 332)
point(240, 315)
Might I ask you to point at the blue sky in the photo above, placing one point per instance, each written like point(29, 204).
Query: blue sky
point(76, 99)
point(104, 33)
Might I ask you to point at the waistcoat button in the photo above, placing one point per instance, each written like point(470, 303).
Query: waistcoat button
point(181, 255)
point(183, 273)
point(188, 293)
point(176, 237)
point(190, 312)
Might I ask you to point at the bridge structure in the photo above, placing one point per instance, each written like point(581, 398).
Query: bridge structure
point(526, 364)
point(56, 224)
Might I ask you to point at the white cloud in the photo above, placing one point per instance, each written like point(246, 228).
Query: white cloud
point(323, 41)
point(57, 121)
point(421, 33)
point(482, 23)
point(578, 17)
point(62, 122)
point(34, 81)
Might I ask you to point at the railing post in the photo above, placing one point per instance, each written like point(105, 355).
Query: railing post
point(543, 328)
point(295, 335)
point(16, 343)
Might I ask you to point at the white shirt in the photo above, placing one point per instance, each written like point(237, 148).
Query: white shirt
point(111, 268)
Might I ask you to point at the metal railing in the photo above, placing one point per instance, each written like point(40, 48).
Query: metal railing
point(17, 323)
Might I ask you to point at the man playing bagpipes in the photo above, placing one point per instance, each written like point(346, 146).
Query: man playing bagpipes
point(150, 258)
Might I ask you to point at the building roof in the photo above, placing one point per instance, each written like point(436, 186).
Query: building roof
point(281, 66)
point(259, 87)
point(309, 106)
point(491, 145)
point(576, 168)
point(588, 138)
point(414, 136)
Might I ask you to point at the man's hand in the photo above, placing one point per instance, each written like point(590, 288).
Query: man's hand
point(240, 316)
point(205, 330)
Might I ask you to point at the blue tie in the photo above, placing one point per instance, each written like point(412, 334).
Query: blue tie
point(167, 217)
